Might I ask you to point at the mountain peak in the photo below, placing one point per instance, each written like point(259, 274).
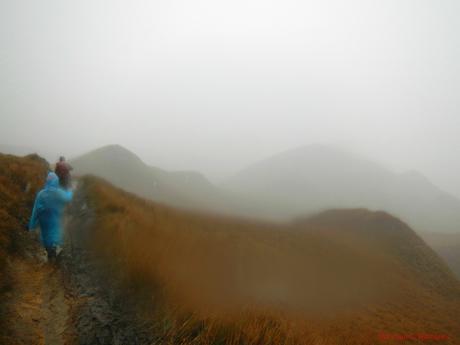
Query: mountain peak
point(113, 148)
point(310, 149)
point(311, 178)
point(113, 153)
point(126, 170)
point(318, 157)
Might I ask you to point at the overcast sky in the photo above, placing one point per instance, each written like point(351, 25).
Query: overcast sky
point(214, 85)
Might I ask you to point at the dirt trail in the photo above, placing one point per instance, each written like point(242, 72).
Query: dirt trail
point(77, 301)
point(55, 308)
point(38, 309)
point(39, 301)
point(101, 313)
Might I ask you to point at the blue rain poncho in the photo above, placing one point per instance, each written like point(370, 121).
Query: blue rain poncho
point(48, 209)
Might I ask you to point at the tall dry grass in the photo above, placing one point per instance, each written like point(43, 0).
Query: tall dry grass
point(20, 179)
point(218, 280)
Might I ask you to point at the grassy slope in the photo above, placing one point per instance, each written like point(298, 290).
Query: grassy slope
point(20, 178)
point(223, 280)
point(447, 246)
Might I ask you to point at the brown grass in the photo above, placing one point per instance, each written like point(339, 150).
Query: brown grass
point(217, 280)
point(20, 179)
point(447, 245)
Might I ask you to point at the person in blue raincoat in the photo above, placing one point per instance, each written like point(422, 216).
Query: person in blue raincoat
point(47, 212)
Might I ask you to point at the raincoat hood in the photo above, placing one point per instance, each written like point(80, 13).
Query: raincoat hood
point(52, 181)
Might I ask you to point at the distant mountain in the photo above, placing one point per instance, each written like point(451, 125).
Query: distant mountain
point(314, 178)
point(186, 189)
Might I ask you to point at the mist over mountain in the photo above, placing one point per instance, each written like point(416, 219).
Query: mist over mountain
point(313, 178)
point(124, 169)
point(341, 274)
point(294, 184)
point(280, 172)
point(291, 184)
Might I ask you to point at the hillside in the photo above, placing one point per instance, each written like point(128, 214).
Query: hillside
point(313, 178)
point(20, 179)
point(391, 236)
point(340, 277)
point(185, 189)
point(448, 248)
point(136, 271)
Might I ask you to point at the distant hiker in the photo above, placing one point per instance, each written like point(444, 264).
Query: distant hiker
point(62, 170)
point(47, 212)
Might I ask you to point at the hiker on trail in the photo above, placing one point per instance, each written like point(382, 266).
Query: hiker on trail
point(62, 170)
point(47, 212)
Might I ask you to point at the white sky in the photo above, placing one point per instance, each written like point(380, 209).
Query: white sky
point(214, 85)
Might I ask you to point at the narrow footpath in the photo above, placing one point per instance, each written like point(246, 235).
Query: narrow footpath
point(75, 302)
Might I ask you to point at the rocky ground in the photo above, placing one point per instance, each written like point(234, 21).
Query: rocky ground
point(100, 313)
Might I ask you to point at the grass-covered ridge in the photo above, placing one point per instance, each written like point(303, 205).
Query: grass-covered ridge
point(219, 280)
point(20, 179)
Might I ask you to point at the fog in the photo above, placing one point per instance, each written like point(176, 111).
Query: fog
point(213, 86)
